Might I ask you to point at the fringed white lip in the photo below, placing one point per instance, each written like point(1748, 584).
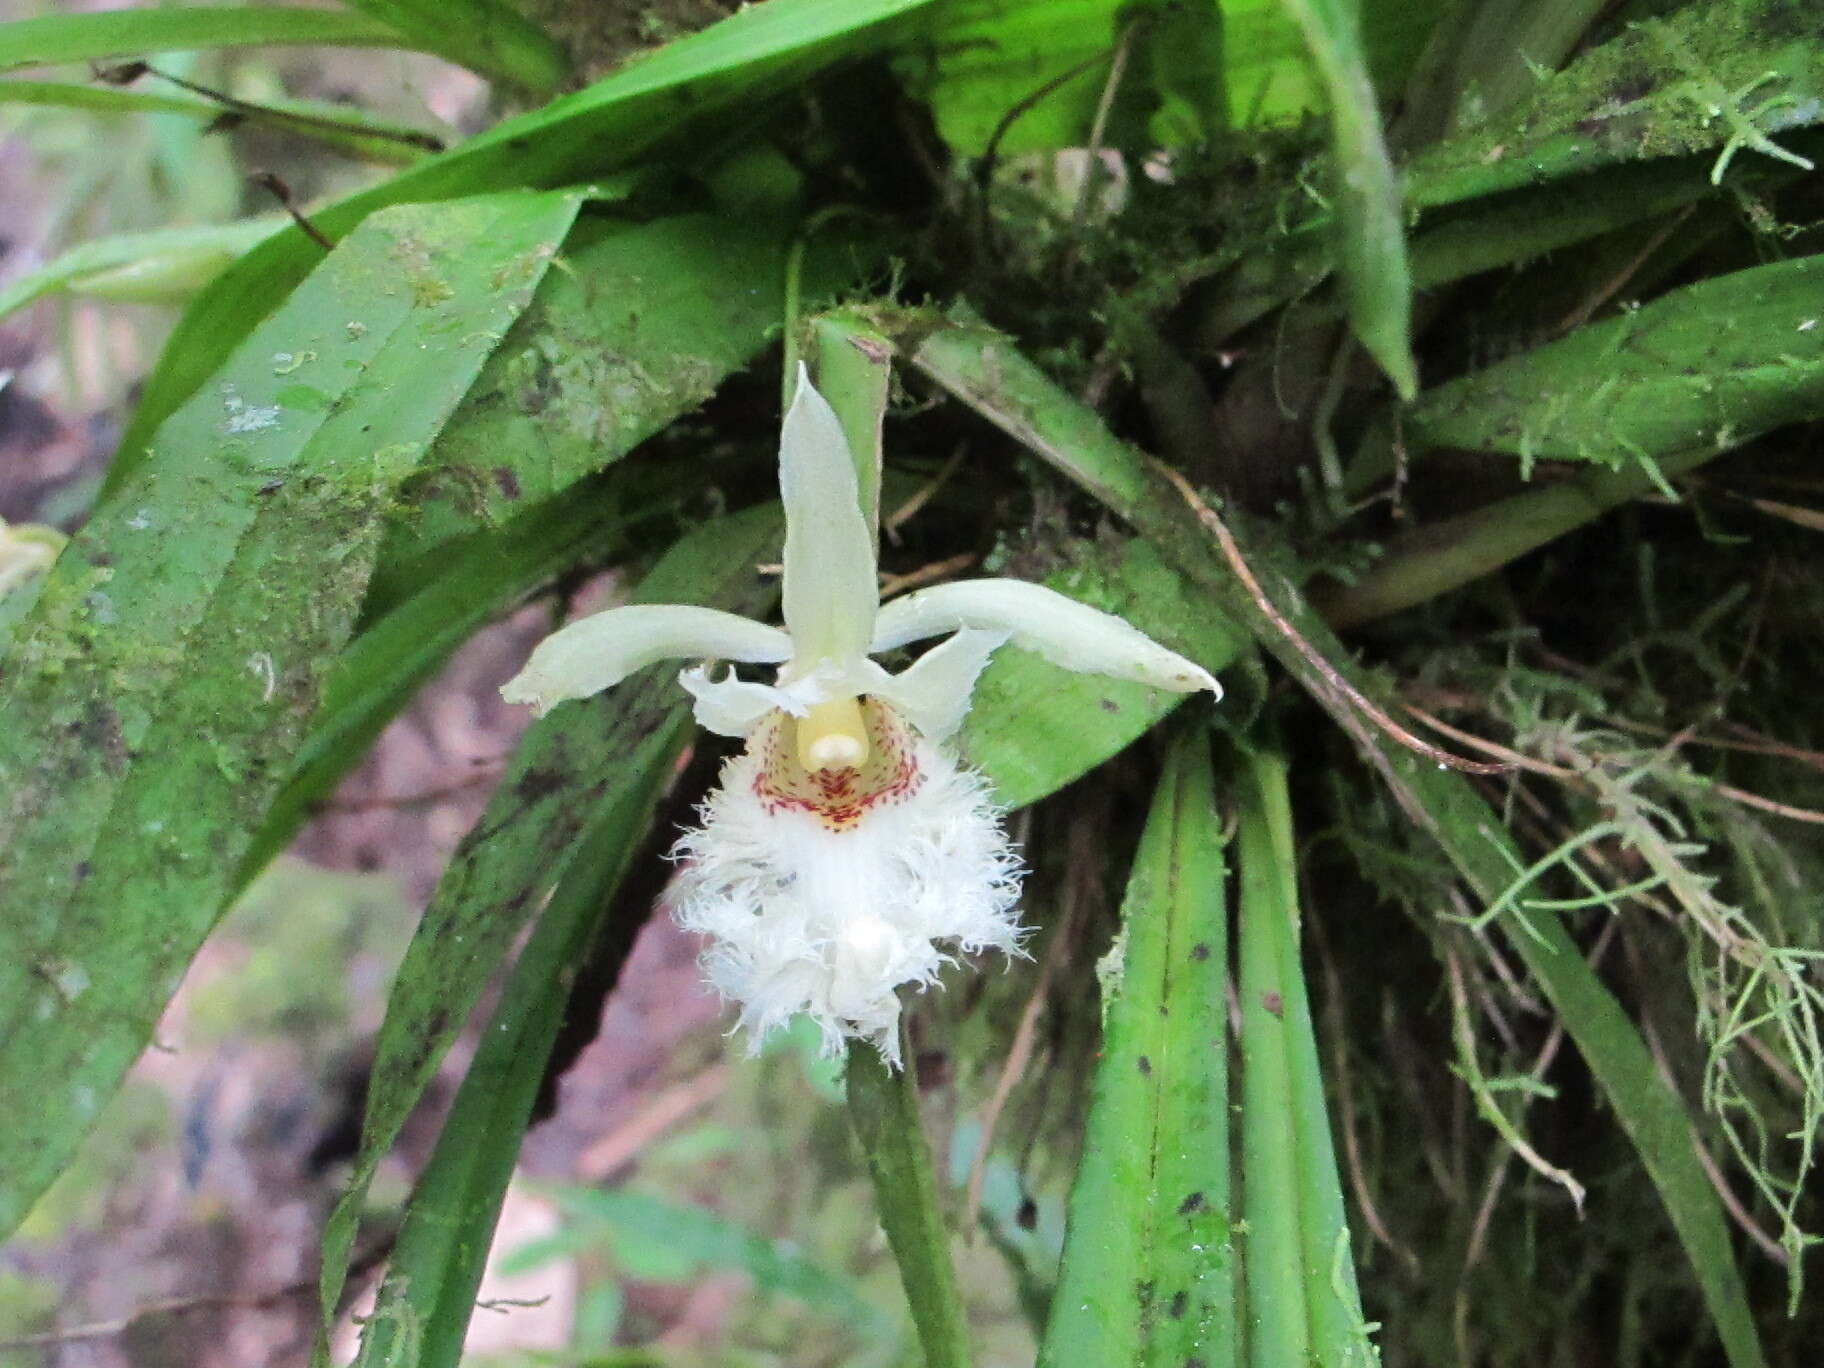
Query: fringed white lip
point(825, 892)
point(845, 854)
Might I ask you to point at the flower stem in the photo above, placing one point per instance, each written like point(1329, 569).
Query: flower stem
point(883, 1108)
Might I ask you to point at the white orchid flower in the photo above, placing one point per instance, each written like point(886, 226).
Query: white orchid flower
point(845, 853)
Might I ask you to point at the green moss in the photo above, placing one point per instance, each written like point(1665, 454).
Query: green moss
point(1710, 77)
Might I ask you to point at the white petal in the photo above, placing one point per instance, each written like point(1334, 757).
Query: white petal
point(829, 590)
point(730, 706)
point(830, 679)
point(1064, 631)
point(933, 695)
point(604, 648)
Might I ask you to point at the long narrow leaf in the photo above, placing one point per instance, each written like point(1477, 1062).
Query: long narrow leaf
point(1685, 378)
point(1279, 1314)
point(422, 1312)
point(1451, 552)
point(488, 36)
point(1707, 366)
point(99, 99)
point(1148, 1273)
point(1302, 1301)
point(345, 127)
point(1477, 844)
point(640, 325)
point(682, 94)
point(1370, 230)
point(1517, 228)
point(525, 843)
point(53, 39)
point(1730, 76)
point(169, 263)
point(156, 695)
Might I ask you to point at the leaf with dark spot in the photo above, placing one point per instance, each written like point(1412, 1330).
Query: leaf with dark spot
point(573, 771)
point(157, 694)
point(1150, 1201)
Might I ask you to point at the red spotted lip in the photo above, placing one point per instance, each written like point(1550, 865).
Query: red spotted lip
point(838, 798)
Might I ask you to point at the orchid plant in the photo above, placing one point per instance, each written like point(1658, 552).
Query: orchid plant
point(845, 853)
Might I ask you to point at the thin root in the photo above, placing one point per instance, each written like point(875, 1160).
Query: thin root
point(1332, 676)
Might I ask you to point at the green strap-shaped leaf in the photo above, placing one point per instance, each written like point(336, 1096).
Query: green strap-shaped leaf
point(1369, 225)
point(383, 667)
point(1647, 395)
point(989, 374)
point(1517, 228)
point(342, 126)
point(1303, 1306)
point(640, 325)
point(159, 690)
point(422, 1311)
point(1705, 367)
point(1440, 556)
point(1148, 1269)
point(683, 94)
point(567, 775)
point(1189, 71)
point(487, 36)
point(53, 39)
point(1725, 74)
point(170, 264)
point(99, 99)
